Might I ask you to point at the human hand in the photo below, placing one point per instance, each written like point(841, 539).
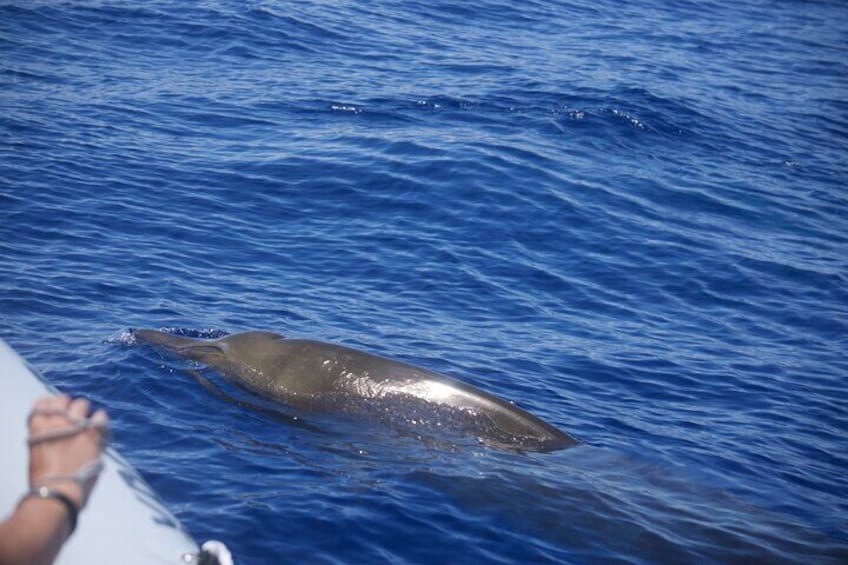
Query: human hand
point(65, 446)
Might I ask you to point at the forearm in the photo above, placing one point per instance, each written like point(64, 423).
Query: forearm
point(34, 533)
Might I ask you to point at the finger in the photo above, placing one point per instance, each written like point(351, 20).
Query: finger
point(44, 403)
point(100, 419)
point(46, 410)
point(56, 402)
point(78, 408)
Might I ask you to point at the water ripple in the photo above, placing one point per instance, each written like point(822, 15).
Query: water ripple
point(626, 218)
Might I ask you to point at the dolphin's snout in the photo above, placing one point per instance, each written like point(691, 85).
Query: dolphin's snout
point(188, 347)
point(149, 336)
point(162, 339)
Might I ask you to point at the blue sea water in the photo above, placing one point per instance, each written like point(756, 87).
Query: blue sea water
point(631, 219)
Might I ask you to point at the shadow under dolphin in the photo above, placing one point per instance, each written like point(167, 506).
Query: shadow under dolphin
point(323, 376)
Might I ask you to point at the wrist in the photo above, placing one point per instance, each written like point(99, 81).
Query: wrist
point(53, 508)
point(69, 488)
point(76, 486)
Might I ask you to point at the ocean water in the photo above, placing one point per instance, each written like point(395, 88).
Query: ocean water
point(631, 219)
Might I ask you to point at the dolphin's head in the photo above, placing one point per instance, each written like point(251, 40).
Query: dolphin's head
point(250, 357)
point(236, 349)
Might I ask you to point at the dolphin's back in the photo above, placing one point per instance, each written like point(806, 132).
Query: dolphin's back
point(373, 377)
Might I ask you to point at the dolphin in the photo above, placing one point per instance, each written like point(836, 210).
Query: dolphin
point(324, 376)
